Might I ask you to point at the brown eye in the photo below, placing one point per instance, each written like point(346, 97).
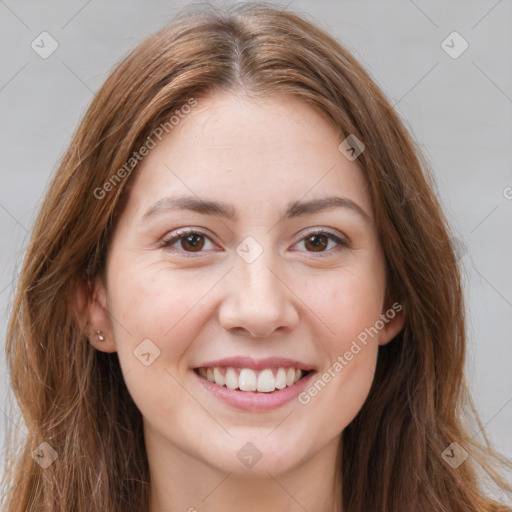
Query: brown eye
point(193, 242)
point(186, 242)
point(316, 242)
point(323, 242)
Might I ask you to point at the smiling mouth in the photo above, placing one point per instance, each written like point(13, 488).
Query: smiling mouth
point(266, 380)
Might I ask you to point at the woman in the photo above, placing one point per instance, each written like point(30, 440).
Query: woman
point(240, 292)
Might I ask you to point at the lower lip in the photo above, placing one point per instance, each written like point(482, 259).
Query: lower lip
point(253, 400)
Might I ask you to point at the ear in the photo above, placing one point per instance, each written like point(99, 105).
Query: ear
point(393, 318)
point(92, 314)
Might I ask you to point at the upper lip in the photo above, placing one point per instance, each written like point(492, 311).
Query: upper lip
point(256, 364)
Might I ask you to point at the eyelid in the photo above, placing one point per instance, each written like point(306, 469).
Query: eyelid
point(324, 231)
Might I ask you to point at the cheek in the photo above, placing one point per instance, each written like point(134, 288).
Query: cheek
point(163, 306)
point(347, 305)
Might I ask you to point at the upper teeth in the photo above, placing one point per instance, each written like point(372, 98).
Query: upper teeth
point(246, 379)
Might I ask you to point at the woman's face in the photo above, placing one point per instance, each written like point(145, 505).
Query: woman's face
point(263, 282)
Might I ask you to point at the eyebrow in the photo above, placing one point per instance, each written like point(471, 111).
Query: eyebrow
point(209, 207)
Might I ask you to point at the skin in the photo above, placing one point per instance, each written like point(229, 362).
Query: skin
point(292, 301)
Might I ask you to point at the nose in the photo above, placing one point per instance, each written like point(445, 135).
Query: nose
point(259, 301)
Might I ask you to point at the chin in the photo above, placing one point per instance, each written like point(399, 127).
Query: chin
point(256, 456)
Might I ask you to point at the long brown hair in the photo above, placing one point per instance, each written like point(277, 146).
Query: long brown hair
point(73, 397)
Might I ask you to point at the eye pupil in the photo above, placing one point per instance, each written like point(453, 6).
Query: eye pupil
point(318, 242)
point(196, 241)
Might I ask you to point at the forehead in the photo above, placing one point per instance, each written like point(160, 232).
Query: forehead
point(257, 154)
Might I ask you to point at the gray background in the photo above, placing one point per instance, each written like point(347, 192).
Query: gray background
point(458, 109)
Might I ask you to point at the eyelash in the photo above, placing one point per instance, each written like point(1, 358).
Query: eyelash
point(183, 233)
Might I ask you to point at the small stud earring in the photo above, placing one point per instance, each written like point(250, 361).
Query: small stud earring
point(100, 336)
